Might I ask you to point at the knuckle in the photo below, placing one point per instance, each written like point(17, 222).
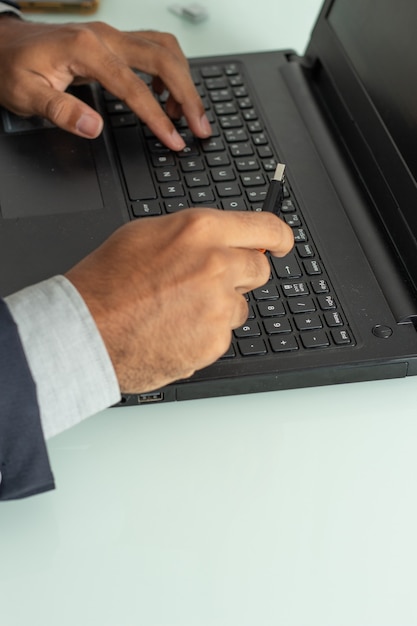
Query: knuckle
point(82, 36)
point(201, 224)
point(168, 40)
point(100, 27)
point(55, 109)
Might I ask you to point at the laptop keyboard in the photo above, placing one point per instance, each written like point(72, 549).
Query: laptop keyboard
point(297, 309)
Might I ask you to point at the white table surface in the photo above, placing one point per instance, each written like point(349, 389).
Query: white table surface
point(291, 508)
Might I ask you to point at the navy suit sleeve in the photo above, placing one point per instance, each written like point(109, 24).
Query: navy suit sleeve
point(11, 3)
point(24, 463)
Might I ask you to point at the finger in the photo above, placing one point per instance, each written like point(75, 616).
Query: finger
point(246, 229)
point(241, 312)
point(121, 81)
point(159, 55)
point(272, 233)
point(63, 110)
point(248, 269)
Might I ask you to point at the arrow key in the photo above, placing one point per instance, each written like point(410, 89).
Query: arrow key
point(287, 267)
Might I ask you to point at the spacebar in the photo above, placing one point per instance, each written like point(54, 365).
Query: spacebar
point(134, 164)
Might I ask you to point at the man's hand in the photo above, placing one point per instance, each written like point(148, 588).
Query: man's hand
point(166, 292)
point(39, 61)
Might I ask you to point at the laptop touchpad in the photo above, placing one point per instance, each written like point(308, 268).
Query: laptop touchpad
point(47, 172)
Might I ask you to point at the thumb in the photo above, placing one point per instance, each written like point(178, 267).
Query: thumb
point(67, 112)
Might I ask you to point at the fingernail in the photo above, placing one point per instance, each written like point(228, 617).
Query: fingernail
point(89, 125)
point(178, 142)
point(205, 125)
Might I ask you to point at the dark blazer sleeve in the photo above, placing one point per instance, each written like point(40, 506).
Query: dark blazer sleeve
point(24, 463)
point(11, 3)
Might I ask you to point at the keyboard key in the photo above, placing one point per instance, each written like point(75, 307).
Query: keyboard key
point(315, 339)
point(260, 139)
point(292, 220)
point(197, 180)
point(255, 126)
point(210, 71)
point(202, 195)
point(228, 189)
point(240, 92)
point(172, 206)
point(133, 160)
point(326, 303)
point(162, 160)
point(308, 322)
point(292, 290)
point(312, 267)
point(225, 108)
point(220, 174)
point(221, 95)
point(267, 292)
point(271, 308)
point(249, 329)
point(127, 119)
point(230, 121)
point(236, 134)
point(300, 235)
point(276, 326)
point(252, 180)
point(333, 318)
point(264, 152)
point(301, 305)
point(304, 250)
point(256, 195)
point(117, 107)
point(245, 103)
point(168, 173)
point(230, 353)
point(241, 149)
point(234, 204)
point(283, 344)
point(190, 150)
point(249, 115)
point(231, 69)
point(269, 165)
point(235, 80)
point(247, 165)
point(172, 190)
point(192, 165)
point(320, 286)
point(341, 337)
point(212, 145)
point(214, 160)
point(252, 347)
point(219, 82)
point(143, 209)
point(287, 267)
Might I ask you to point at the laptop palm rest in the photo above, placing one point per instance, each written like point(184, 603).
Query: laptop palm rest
point(47, 172)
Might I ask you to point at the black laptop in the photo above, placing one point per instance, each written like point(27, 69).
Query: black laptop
point(343, 119)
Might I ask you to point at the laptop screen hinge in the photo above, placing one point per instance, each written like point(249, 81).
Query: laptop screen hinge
point(391, 274)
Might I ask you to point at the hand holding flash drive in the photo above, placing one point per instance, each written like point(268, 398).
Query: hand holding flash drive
point(275, 193)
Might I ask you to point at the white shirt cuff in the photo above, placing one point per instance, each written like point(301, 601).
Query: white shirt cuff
point(67, 357)
point(7, 8)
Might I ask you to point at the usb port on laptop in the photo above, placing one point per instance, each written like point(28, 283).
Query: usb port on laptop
point(148, 398)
